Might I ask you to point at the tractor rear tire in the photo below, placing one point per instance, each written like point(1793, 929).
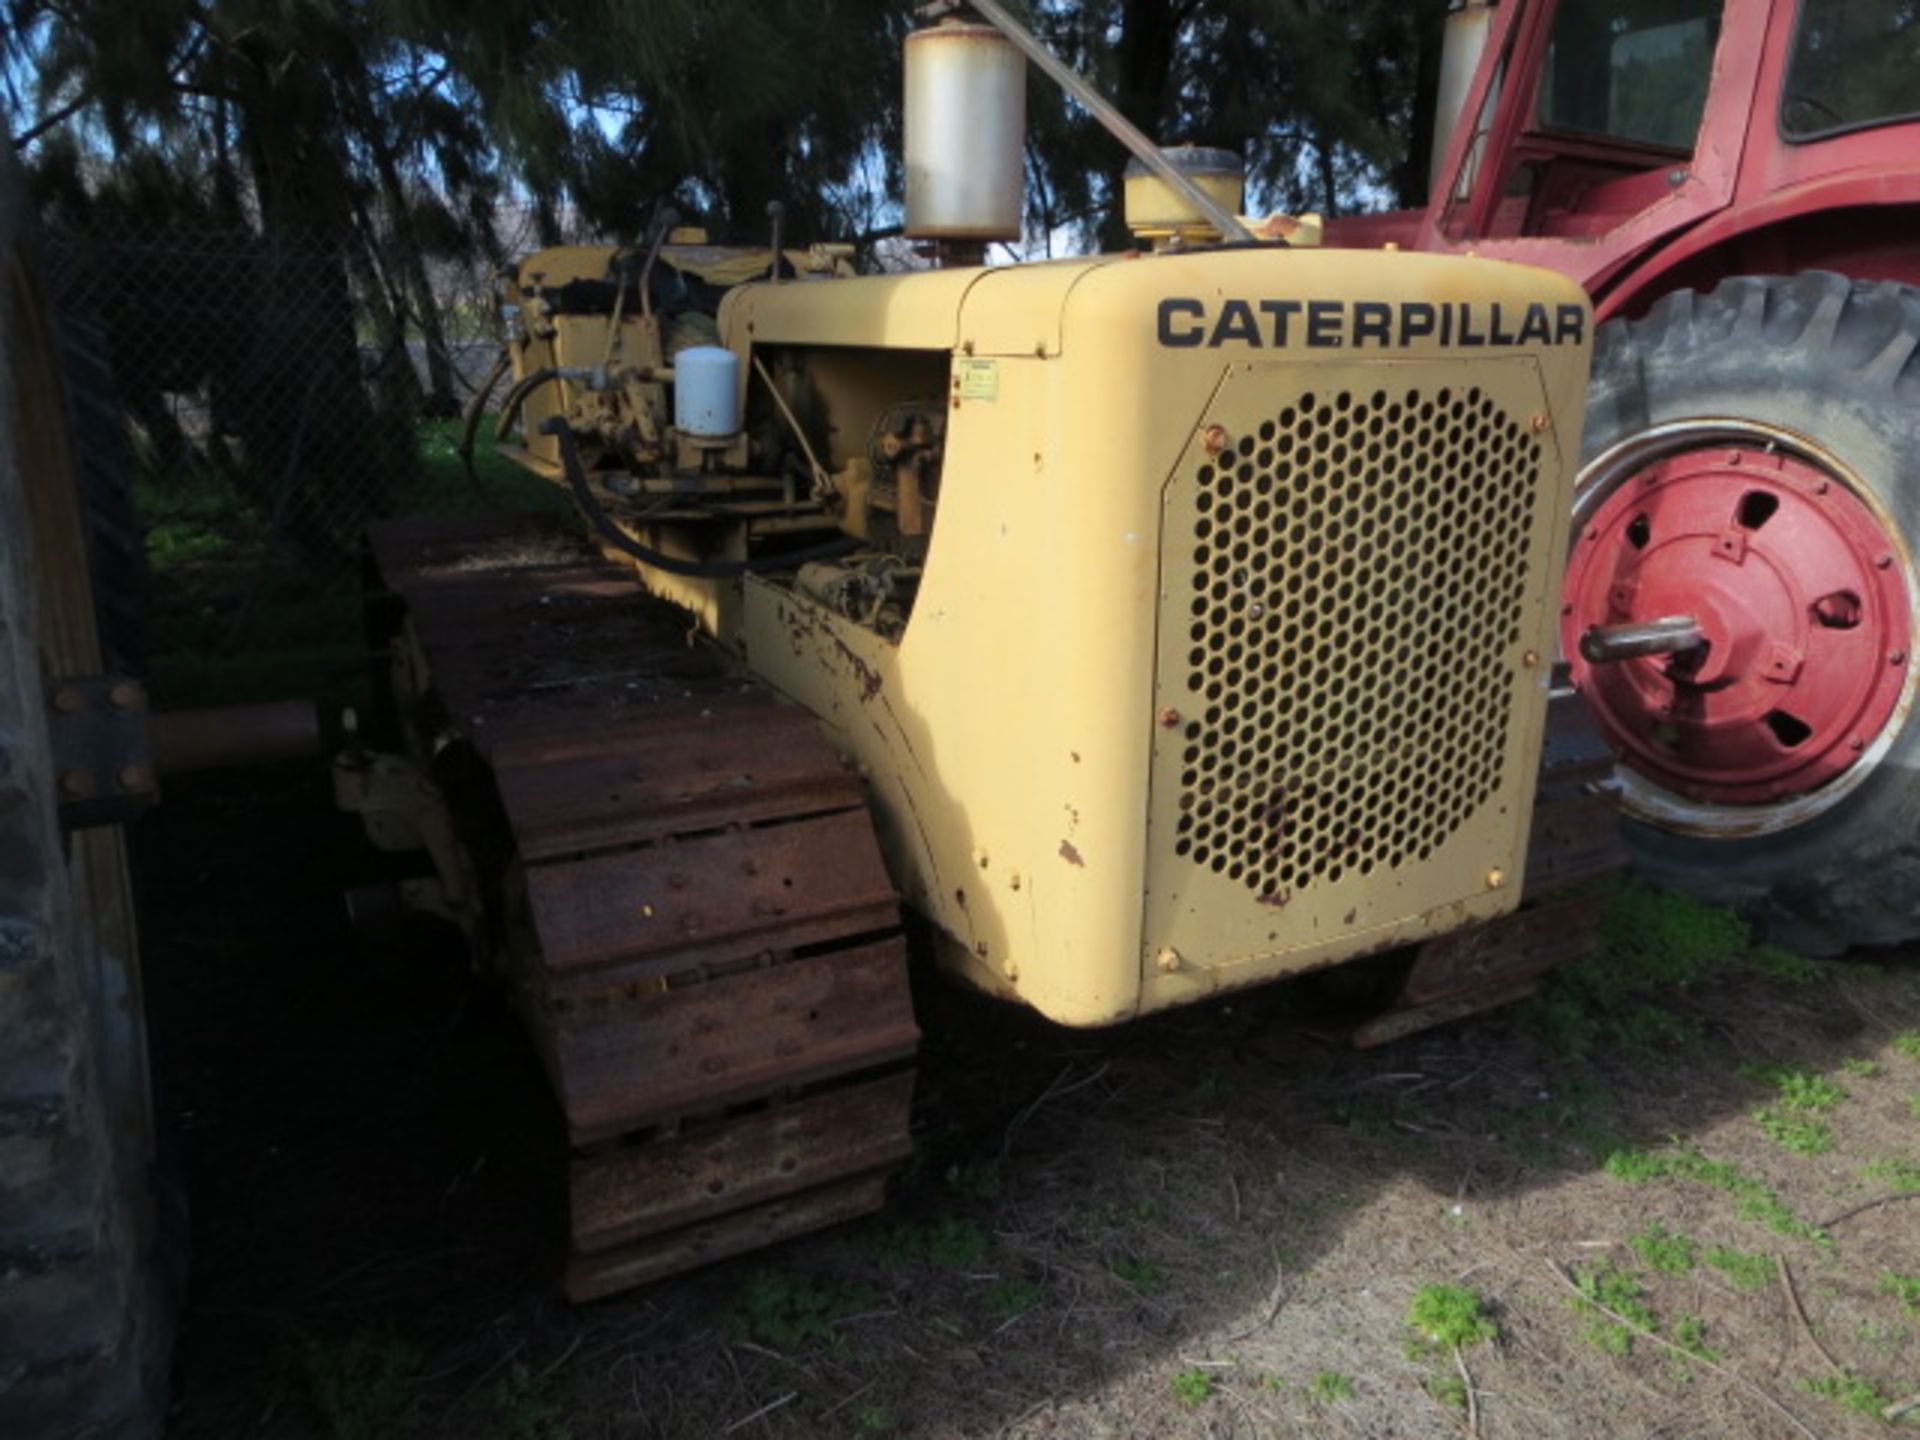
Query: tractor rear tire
point(1837, 361)
point(83, 1313)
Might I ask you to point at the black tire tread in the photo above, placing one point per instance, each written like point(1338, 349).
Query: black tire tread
point(1837, 359)
point(79, 1319)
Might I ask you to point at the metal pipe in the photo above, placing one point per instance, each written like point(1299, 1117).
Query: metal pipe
point(1117, 125)
point(233, 735)
point(1668, 635)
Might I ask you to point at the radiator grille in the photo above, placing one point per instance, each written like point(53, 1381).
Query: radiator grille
point(1357, 578)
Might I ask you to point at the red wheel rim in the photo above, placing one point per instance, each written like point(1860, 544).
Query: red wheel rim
point(1801, 594)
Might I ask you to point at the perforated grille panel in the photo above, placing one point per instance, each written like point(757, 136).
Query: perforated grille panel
point(1356, 572)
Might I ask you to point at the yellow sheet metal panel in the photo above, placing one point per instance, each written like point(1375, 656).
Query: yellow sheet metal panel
point(1355, 635)
point(1035, 793)
point(920, 311)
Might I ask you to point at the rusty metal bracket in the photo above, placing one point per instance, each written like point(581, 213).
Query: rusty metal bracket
point(103, 764)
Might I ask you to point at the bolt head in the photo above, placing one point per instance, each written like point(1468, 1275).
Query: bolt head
point(1169, 718)
point(1168, 960)
point(1897, 657)
point(125, 695)
point(1214, 439)
point(134, 777)
point(1883, 562)
point(1530, 659)
point(1496, 877)
point(69, 701)
point(77, 784)
point(1540, 422)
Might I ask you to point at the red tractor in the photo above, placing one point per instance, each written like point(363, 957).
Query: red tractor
point(1737, 183)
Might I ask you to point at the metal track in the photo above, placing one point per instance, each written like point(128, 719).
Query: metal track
point(685, 894)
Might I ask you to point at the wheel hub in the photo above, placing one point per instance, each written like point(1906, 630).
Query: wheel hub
point(1800, 594)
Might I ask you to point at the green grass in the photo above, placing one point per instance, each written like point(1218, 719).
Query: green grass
point(952, 1243)
point(1330, 1387)
point(1665, 1249)
point(1802, 1089)
point(1793, 1131)
point(1449, 1390)
point(1192, 1386)
point(1862, 1067)
point(1450, 1317)
point(1904, 1288)
point(1011, 1299)
point(1653, 945)
point(236, 616)
point(1753, 1199)
point(1620, 1292)
point(1907, 1042)
point(1747, 1270)
point(876, 1420)
point(364, 1386)
point(788, 1311)
point(1690, 1334)
point(1783, 965)
point(1137, 1274)
point(1855, 1392)
point(525, 1407)
point(1894, 1170)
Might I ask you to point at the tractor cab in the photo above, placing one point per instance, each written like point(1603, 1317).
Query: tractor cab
point(1593, 135)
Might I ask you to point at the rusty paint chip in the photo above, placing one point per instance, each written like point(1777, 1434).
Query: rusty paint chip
point(1070, 853)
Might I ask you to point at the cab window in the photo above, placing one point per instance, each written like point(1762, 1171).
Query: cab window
point(1855, 63)
point(1630, 70)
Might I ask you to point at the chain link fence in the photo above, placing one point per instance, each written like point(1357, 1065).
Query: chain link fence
point(278, 395)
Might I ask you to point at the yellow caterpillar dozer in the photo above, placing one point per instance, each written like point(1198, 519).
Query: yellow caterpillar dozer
point(1152, 625)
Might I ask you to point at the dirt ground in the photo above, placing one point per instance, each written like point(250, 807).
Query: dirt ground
point(1210, 1224)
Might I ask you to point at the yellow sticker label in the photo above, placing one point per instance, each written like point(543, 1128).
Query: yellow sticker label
point(979, 379)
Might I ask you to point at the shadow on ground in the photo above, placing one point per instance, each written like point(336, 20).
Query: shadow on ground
point(1209, 1223)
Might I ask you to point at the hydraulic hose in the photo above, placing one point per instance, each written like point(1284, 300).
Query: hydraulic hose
point(475, 409)
point(603, 526)
point(517, 396)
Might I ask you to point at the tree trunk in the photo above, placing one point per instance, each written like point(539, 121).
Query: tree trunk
point(1143, 62)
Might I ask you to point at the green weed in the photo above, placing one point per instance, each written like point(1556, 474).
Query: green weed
point(1802, 1089)
point(1861, 1066)
point(1856, 1392)
point(1136, 1274)
point(1907, 1042)
point(1690, 1334)
point(956, 1244)
point(1753, 1199)
point(1621, 1292)
point(1745, 1269)
point(1330, 1387)
point(1652, 944)
point(953, 1243)
point(1193, 1386)
point(974, 1180)
point(876, 1420)
point(1665, 1249)
point(1893, 1170)
point(1449, 1390)
point(362, 1386)
point(1011, 1299)
point(1794, 1131)
point(1904, 1288)
point(1783, 965)
point(1368, 1119)
point(787, 1311)
point(525, 1407)
point(1450, 1317)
